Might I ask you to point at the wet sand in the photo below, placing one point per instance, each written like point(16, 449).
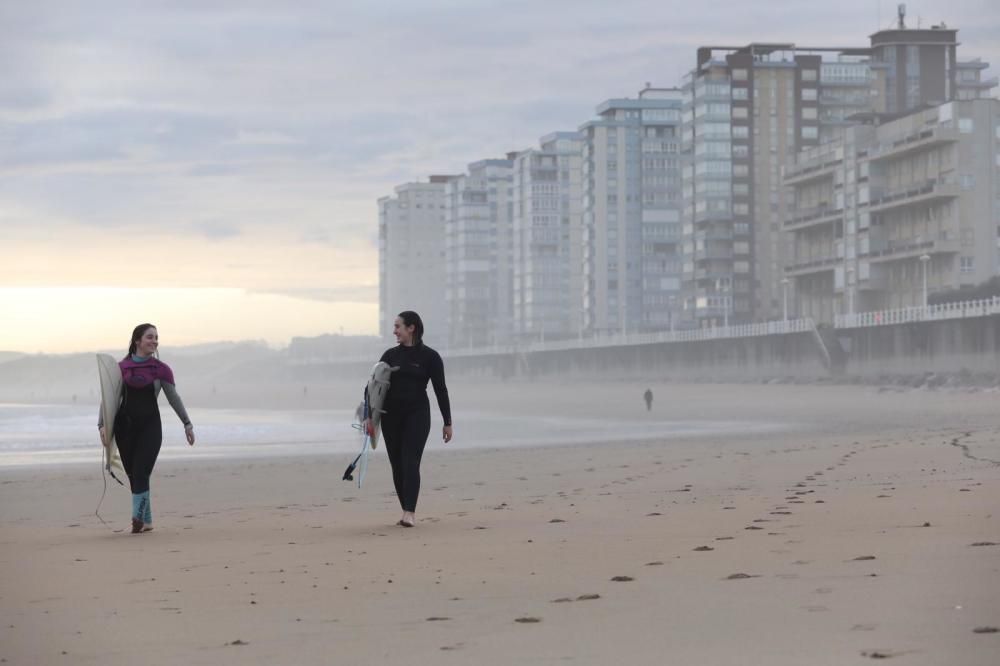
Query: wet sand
point(868, 528)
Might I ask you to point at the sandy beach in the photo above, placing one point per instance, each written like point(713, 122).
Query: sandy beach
point(860, 524)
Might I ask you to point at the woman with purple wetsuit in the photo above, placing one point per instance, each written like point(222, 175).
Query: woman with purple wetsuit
point(138, 430)
point(407, 419)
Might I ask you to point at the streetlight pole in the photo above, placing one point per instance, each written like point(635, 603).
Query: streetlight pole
point(784, 298)
point(725, 304)
point(924, 259)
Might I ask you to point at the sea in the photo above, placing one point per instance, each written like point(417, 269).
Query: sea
point(61, 434)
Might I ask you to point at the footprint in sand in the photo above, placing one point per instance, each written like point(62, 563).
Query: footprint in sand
point(880, 654)
point(528, 620)
point(622, 579)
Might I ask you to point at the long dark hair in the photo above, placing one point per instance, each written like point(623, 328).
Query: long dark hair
point(137, 334)
point(411, 318)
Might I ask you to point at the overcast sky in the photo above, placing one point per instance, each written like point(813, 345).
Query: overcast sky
point(242, 145)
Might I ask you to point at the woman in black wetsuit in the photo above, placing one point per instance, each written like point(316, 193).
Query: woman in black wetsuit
point(138, 430)
point(407, 419)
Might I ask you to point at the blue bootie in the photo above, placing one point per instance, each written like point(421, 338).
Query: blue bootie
point(140, 509)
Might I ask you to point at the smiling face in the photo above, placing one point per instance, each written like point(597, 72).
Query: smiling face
point(147, 344)
point(403, 333)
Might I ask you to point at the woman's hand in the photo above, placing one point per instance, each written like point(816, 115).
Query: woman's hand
point(368, 429)
point(104, 435)
point(446, 434)
point(189, 432)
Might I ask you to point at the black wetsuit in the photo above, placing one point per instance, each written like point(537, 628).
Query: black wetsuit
point(139, 432)
point(407, 419)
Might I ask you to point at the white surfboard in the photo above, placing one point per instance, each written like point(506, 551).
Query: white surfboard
point(360, 463)
point(111, 394)
point(378, 388)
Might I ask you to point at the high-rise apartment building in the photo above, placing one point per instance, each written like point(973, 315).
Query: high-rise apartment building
point(547, 257)
point(411, 260)
point(631, 213)
point(478, 254)
point(922, 67)
point(749, 111)
point(891, 205)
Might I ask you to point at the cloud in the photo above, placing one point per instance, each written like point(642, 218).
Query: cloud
point(262, 125)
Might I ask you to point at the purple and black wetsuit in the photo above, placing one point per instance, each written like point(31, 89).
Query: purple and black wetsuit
point(138, 430)
point(407, 419)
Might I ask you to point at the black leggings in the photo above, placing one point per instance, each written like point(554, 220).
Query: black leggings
point(139, 445)
point(405, 435)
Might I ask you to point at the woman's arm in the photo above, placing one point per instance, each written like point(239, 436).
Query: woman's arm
point(440, 388)
point(175, 401)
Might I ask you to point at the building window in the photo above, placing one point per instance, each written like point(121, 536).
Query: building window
point(809, 94)
point(808, 74)
point(741, 131)
point(809, 112)
point(740, 93)
point(810, 132)
point(965, 125)
point(966, 265)
point(740, 112)
point(739, 75)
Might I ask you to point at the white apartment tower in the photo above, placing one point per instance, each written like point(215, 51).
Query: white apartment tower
point(411, 260)
point(631, 214)
point(478, 254)
point(547, 239)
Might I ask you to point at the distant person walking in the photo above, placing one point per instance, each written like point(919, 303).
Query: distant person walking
point(407, 419)
point(648, 397)
point(138, 429)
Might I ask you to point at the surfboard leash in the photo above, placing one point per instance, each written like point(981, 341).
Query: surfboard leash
point(104, 476)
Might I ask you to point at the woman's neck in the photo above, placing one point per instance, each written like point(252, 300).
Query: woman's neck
point(139, 358)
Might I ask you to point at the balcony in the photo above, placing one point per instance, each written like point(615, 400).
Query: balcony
point(897, 250)
point(813, 169)
point(712, 274)
point(821, 265)
point(811, 217)
point(913, 142)
point(705, 217)
point(931, 191)
point(714, 254)
point(714, 235)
